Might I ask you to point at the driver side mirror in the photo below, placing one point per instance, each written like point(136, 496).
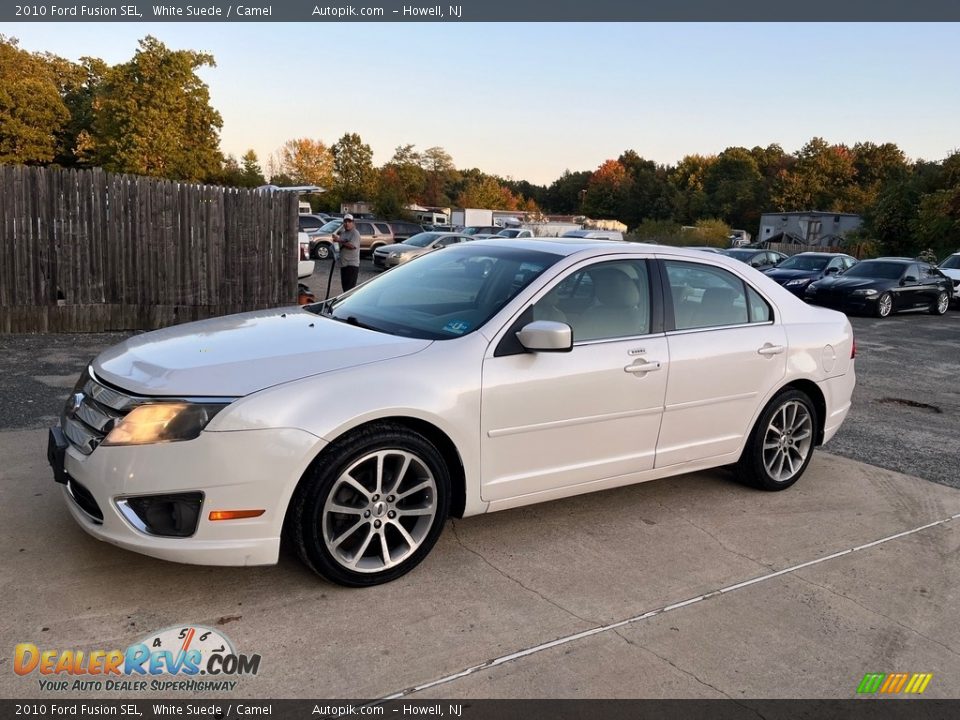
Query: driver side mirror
point(908, 279)
point(831, 271)
point(546, 336)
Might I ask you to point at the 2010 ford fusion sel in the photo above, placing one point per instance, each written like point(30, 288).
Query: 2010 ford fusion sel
point(487, 376)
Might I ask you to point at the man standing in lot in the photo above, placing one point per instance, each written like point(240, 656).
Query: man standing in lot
point(349, 254)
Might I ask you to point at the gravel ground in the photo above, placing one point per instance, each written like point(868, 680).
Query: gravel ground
point(906, 413)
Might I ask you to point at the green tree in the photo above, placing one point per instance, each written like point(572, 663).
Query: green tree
point(353, 168)
point(440, 173)
point(251, 172)
point(607, 191)
point(153, 116)
point(823, 178)
point(405, 175)
point(307, 162)
point(734, 188)
point(32, 113)
point(483, 192)
point(687, 178)
point(565, 194)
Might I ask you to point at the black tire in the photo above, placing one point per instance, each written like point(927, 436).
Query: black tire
point(752, 467)
point(941, 304)
point(321, 251)
point(307, 523)
point(884, 306)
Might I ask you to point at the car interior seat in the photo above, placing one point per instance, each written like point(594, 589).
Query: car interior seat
point(621, 309)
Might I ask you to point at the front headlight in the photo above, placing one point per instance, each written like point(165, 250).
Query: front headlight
point(798, 282)
point(162, 422)
point(865, 291)
point(395, 255)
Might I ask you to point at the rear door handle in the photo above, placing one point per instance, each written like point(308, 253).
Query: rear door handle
point(642, 367)
point(769, 350)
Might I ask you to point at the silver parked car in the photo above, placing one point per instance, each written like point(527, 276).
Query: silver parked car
point(420, 244)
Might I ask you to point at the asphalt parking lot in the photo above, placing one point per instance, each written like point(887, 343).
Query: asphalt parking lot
point(689, 587)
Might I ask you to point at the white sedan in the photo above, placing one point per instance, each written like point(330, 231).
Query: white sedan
point(492, 375)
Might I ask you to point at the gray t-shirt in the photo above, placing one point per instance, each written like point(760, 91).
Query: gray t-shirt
point(348, 256)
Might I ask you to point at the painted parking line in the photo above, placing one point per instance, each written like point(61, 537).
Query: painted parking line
point(659, 611)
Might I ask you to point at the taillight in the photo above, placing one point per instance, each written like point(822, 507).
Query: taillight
point(853, 349)
point(304, 252)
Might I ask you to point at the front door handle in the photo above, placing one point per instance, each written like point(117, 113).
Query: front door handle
point(769, 350)
point(642, 367)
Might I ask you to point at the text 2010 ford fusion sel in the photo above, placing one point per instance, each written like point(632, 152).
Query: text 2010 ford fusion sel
point(492, 375)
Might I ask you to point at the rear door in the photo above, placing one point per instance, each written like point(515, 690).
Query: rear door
point(727, 353)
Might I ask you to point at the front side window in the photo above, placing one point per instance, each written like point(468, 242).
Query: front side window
point(705, 296)
point(601, 302)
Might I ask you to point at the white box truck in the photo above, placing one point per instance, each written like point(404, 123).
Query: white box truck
point(464, 217)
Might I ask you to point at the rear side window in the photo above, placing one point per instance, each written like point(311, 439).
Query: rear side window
point(384, 228)
point(704, 296)
point(365, 228)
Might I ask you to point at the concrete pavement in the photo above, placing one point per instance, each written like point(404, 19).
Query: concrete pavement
point(505, 583)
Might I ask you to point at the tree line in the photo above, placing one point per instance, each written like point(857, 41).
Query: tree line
point(152, 116)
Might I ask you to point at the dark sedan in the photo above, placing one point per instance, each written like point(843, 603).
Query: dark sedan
point(884, 286)
point(759, 259)
point(798, 271)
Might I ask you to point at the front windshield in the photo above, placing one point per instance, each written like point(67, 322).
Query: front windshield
point(804, 262)
point(421, 239)
point(441, 295)
point(951, 263)
point(331, 226)
point(876, 269)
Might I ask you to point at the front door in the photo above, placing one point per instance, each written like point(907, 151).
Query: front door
point(551, 420)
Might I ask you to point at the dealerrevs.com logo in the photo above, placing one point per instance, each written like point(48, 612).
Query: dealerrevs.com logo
point(190, 658)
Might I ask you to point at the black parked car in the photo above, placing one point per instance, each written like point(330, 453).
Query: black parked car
point(884, 286)
point(402, 230)
point(759, 259)
point(798, 271)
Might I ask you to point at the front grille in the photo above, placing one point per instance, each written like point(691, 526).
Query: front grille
point(92, 411)
point(82, 497)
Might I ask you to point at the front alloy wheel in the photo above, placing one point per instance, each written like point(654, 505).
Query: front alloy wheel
point(371, 507)
point(781, 443)
point(321, 251)
point(884, 305)
point(942, 304)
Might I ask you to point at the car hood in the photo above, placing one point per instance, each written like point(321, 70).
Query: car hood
point(852, 283)
point(405, 249)
point(782, 276)
point(953, 274)
point(239, 354)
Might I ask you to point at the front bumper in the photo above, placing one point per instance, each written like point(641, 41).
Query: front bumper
point(855, 304)
point(250, 469)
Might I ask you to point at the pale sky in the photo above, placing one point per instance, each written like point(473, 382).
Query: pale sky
point(529, 100)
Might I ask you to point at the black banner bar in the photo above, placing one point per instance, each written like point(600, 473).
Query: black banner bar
point(483, 11)
point(862, 709)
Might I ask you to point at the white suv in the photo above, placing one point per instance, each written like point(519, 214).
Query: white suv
point(951, 268)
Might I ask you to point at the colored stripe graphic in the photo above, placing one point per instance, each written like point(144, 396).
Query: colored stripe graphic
point(893, 683)
point(871, 682)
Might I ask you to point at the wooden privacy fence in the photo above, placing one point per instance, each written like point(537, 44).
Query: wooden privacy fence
point(88, 251)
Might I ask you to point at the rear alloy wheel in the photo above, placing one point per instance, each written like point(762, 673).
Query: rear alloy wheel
point(942, 304)
point(373, 507)
point(781, 443)
point(321, 251)
point(884, 305)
